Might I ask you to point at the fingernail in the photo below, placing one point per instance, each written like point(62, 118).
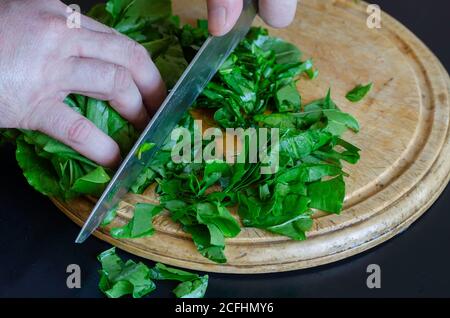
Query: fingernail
point(219, 16)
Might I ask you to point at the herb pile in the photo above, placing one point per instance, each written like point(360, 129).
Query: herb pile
point(256, 87)
point(119, 278)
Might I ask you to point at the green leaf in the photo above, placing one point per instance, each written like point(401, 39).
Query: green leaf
point(338, 122)
point(118, 278)
point(171, 64)
point(141, 223)
point(147, 146)
point(208, 213)
point(359, 92)
point(36, 170)
point(327, 195)
point(294, 228)
point(278, 120)
point(131, 16)
point(202, 239)
point(146, 178)
point(163, 272)
point(92, 183)
point(192, 285)
point(99, 13)
point(298, 145)
point(288, 99)
point(110, 216)
point(308, 173)
point(192, 289)
point(285, 52)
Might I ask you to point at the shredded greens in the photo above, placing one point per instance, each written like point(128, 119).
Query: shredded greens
point(119, 278)
point(255, 88)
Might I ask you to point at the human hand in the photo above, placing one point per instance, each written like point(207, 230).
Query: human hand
point(42, 61)
point(223, 14)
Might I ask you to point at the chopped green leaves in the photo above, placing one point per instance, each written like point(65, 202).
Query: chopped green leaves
point(110, 216)
point(92, 183)
point(256, 87)
point(119, 278)
point(359, 92)
point(141, 223)
point(144, 148)
point(191, 285)
point(327, 195)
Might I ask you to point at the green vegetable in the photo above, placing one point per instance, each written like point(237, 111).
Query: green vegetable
point(110, 216)
point(359, 92)
point(191, 285)
point(118, 278)
point(144, 148)
point(141, 223)
point(256, 87)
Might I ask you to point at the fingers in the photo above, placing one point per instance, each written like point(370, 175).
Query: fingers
point(279, 13)
point(222, 15)
point(106, 81)
point(69, 127)
point(120, 50)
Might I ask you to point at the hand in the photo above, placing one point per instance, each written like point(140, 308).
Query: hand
point(223, 14)
point(42, 61)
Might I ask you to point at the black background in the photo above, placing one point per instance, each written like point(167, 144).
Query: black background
point(36, 240)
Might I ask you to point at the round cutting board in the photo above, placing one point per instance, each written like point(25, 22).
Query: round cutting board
point(404, 140)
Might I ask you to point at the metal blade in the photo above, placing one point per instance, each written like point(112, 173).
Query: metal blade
point(202, 68)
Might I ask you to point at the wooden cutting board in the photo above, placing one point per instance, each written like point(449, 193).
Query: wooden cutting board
point(404, 140)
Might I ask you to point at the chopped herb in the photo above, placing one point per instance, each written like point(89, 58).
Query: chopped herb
point(119, 278)
point(359, 92)
point(144, 148)
point(141, 223)
point(110, 216)
point(256, 87)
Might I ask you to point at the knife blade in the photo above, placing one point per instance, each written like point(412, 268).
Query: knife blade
point(205, 64)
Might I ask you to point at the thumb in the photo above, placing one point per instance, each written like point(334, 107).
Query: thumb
point(222, 15)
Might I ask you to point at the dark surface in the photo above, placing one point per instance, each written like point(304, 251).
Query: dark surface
point(36, 242)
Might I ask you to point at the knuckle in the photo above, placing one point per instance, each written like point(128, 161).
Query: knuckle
point(138, 54)
point(79, 131)
point(53, 26)
point(121, 80)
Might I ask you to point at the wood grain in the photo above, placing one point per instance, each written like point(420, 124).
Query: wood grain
point(404, 137)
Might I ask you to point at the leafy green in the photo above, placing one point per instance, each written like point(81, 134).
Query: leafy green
point(36, 169)
point(119, 278)
point(92, 183)
point(327, 195)
point(358, 92)
point(144, 148)
point(192, 289)
point(141, 223)
point(110, 216)
point(191, 286)
point(256, 87)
